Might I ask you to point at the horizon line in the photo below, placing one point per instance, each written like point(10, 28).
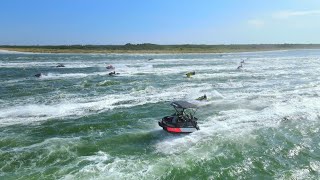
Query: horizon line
point(135, 44)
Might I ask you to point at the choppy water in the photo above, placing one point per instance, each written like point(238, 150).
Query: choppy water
point(78, 123)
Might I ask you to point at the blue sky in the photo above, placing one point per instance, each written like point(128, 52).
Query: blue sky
point(53, 22)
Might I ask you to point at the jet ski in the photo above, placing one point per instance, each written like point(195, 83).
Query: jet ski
point(183, 120)
point(202, 98)
point(110, 67)
point(38, 75)
point(113, 73)
point(239, 67)
point(60, 65)
point(189, 74)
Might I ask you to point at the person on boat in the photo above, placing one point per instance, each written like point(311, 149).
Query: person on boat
point(189, 74)
point(201, 98)
point(112, 73)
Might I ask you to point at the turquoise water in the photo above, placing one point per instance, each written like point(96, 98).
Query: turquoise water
point(77, 122)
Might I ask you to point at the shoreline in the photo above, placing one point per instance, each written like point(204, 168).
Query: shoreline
point(10, 51)
point(227, 50)
point(5, 51)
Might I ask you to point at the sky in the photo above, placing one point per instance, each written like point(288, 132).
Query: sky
point(66, 22)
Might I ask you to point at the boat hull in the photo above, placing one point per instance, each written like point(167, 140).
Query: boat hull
point(174, 128)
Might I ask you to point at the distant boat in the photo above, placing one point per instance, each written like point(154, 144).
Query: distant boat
point(110, 67)
point(60, 65)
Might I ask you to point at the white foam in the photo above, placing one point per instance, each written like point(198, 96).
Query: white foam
point(77, 107)
point(268, 93)
point(237, 123)
point(128, 167)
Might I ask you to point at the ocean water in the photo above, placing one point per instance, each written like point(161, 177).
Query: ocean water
point(77, 122)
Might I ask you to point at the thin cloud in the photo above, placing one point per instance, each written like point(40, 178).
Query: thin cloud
point(256, 23)
point(288, 14)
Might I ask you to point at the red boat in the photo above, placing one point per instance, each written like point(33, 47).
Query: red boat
point(183, 120)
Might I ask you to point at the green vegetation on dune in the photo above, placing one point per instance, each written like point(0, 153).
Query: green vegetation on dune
point(154, 48)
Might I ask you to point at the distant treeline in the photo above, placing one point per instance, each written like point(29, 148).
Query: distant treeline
point(149, 48)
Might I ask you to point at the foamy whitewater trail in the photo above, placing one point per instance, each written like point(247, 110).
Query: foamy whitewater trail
point(82, 106)
point(260, 121)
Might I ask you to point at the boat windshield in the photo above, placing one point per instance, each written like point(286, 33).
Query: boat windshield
point(185, 112)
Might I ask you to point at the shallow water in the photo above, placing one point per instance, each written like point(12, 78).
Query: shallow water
point(79, 123)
